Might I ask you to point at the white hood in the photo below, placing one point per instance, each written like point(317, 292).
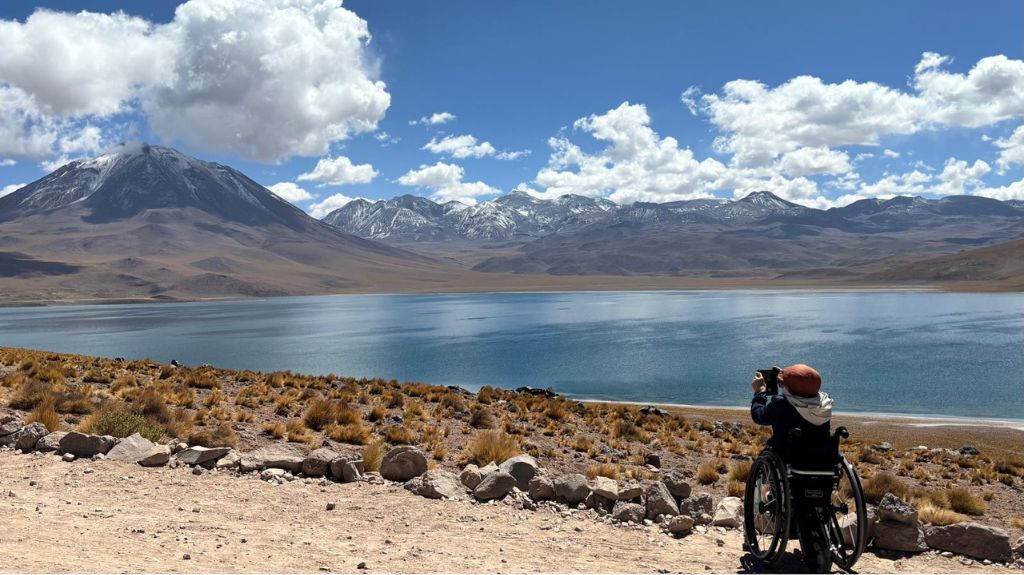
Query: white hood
point(816, 410)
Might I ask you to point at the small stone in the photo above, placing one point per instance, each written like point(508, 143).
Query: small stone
point(362, 565)
point(571, 487)
point(89, 470)
point(677, 484)
point(542, 488)
point(892, 508)
point(606, 487)
point(186, 557)
point(697, 505)
point(660, 501)
point(470, 476)
point(495, 486)
point(729, 513)
point(331, 506)
point(679, 524)
point(197, 470)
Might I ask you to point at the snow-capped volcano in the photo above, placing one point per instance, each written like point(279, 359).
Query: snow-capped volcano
point(133, 178)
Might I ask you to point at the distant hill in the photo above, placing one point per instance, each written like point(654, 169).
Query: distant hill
point(1002, 263)
point(148, 222)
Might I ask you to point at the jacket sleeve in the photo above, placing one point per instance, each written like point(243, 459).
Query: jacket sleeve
point(759, 411)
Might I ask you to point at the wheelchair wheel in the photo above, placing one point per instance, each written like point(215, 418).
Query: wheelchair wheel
point(767, 509)
point(848, 520)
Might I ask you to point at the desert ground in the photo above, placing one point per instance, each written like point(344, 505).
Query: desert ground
point(86, 515)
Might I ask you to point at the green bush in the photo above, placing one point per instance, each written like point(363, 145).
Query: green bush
point(120, 422)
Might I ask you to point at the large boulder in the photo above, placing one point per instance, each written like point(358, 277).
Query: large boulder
point(660, 501)
point(348, 467)
point(50, 441)
point(899, 536)
point(436, 484)
point(9, 424)
point(229, 461)
point(971, 539)
point(130, 449)
point(605, 487)
point(523, 468)
point(202, 456)
point(729, 513)
point(626, 512)
point(403, 463)
point(157, 456)
point(85, 445)
point(677, 484)
point(318, 463)
point(848, 525)
point(287, 456)
point(470, 476)
point(495, 486)
point(26, 438)
point(542, 488)
point(696, 505)
point(892, 508)
point(571, 487)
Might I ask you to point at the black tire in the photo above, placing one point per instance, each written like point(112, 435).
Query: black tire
point(814, 540)
point(847, 547)
point(766, 528)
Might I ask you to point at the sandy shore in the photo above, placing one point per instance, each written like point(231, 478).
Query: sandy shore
point(113, 517)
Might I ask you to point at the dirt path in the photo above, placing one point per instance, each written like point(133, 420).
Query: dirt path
point(109, 517)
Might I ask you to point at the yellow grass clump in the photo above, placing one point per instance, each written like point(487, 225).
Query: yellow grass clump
point(706, 474)
point(963, 501)
point(492, 445)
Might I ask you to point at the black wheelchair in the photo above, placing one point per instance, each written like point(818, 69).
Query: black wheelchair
point(817, 497)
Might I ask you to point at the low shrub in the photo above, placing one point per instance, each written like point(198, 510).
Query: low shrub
point(482, 419)
point(397, 435)
point(740, 471)
point(118, 420)
point(963, 501)
point(45, 413)
point(493, 445)
point(706, 474)
point(220, 436)
point(353, 433)
point(876, 486)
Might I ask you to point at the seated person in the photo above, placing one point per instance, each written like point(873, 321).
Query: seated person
point(802, 406)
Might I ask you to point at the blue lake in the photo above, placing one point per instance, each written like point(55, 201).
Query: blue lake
point(895, 352)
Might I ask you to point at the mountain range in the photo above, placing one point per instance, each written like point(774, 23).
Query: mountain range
point(148, 223)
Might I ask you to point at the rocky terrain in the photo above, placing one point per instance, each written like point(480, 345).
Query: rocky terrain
point(544, 469)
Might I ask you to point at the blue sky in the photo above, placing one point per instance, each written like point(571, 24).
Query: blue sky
point(518, 77)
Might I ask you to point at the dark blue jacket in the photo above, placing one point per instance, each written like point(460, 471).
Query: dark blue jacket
point(814, 446)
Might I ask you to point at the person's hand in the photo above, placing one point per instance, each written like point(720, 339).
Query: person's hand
point(758, 383)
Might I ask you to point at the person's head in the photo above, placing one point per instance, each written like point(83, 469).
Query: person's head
point(800, 379)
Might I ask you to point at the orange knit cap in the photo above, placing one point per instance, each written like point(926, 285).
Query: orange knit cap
point(800, 379)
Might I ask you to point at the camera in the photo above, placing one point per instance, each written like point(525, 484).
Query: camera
point(771, 380)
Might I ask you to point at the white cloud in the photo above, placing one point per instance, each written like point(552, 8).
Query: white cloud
point(890, 153)
point(264, 79)
point(290, 192)
point(445, 180)
point(434, 119)
point(958, 178)
point(7, 162)
point(51, 164)
point(10, 189)
point(460, 147)
point(758, 123)
point(514, 155)
point(339, 171)
point(1011, 150)
point(808, 161)
point(328, 205)
point(1012, 191)
point(386, 139)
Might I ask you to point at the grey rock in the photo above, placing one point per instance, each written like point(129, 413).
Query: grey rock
point(130, 449)
point(630, 490)
point(605, 487)
point(523, 468)
point(969, 450)
point(883, 447)
point(204, 456)
point(489, 468)
point(436, 484)
point(625, 512)
point(653, 459)
point(677, 484)
point(470, 476)
point(542, 488)
point(157, 456)
point(495, 486)
point(971, 539)
point(85, 445)
point(50, 441)
point(660, 501)
point(68, 457)
point(892, 508)
point(229, 461)
point(318, 463)
point(899, 536)
point(26, 438)
point(1018, 547)
point(9, 424)
point(729, 513)
point(348, 468)
point(287, 456)
point(602, 505)
point(403, 463)
point(848, 525)
point(571, 487)
point(273, 473)
point(679, 525)
point(697, 504)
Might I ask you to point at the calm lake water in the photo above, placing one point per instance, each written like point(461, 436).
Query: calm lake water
point(904, 352)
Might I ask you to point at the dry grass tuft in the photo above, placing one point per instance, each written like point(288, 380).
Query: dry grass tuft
point(45, 413)
point(493, 445)
point(353, 433)
point(736, 488)
point(707, 474)
point(961, 500)
point(876, 486)
point(929, 513)
point(740, 471)
point(609, 470)
point(373, 453)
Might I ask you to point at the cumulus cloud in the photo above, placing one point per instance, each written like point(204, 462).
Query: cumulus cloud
point(958, 177)
point(339, 171)
point(890, 153)
point(329, 204)
point(808, 161)
point(434, 119)
point(290, 192)
point(758, 123)
point(445, 181)
point(264, 79)
point(1012, 191)
point(460, 147)
point(1011, 150)
point(7, 162)
point(10, 189)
